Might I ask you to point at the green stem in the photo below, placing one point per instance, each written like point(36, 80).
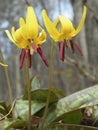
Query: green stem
point(7, 79)
point(25, 74)
point(29, 94)
point(49, 85)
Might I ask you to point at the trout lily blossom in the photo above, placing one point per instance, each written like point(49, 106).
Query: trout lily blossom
point(28, 37)
point(62, 31)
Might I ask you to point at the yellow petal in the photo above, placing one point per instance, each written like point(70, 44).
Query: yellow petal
point(54, 33)
point(9, 36)
point(41, 38)
point(17, 36)
point(23, 44)
point(21, 22)
point(31, 28)
point(3, 64)
point(66, 25)
point(13, 33)
point(81, 22)
point(56, 22)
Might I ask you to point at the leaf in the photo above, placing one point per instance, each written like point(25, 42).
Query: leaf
point(73, 117)
point(3, 108)
point(72, 102)
point(41, 95)
point(70, 127)
point(35, 84)
point(8, 124)
point(21, 108)
point(58, 92)
point(3, 104)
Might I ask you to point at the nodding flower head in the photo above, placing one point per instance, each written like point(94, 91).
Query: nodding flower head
point(29, 37)
point(62, 31)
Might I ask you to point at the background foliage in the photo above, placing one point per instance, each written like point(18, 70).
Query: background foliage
point(76, 72)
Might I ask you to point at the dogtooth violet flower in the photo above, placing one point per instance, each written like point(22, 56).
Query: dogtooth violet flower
point(28, 37)
point(62, 31)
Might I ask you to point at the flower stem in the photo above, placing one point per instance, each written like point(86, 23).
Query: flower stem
point(29, 94)
point(49, 85)
point(7, 79)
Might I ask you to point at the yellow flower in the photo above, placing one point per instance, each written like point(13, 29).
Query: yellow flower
point(29, 37)
point(63, 30)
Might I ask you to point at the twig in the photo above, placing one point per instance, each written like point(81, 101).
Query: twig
point(81, 69)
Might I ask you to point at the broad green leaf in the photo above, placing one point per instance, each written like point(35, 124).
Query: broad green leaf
point(41, 95)
point(35, 84)
point(58, 92)
point(72, 102)
point(73, 117)
point(21, 108)
point(70, 127)
point(11, 124)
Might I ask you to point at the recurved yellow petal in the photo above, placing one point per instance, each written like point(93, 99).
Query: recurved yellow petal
point(9, 36)
point(56, 22)
point(81, 22)
point(18, 35)
point(51, 28)
point(13, 33)
point(18, 38)
point(21, 22)
point(31, 24)
point(3, 64)
point(41, 38)
point(66, 25)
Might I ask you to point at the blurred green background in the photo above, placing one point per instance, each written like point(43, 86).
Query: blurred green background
point(76, 72)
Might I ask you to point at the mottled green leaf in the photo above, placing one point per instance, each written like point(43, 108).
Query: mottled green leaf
point(35, 84)
point(11, 124)
point(21, 108)
point(72, 102)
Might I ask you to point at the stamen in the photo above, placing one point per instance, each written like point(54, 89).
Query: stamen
point(77, 46)
point(28, 55)
point(72, 46)
point(40, 51)
point(22, 57)
point(62, 51)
